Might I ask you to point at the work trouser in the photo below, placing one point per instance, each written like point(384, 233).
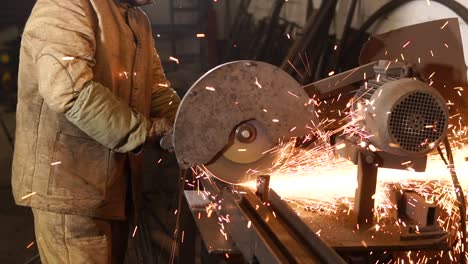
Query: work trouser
point(74, 239)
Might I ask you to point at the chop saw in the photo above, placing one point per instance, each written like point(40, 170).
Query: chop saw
point(233, 120)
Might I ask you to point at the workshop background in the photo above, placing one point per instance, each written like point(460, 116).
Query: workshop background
point(193, 36)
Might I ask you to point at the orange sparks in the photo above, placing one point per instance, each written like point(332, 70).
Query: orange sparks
point(28, 195)
point(174, 59)
point(257, 83)
point(445, 24)
point(30, 244)
point(406, 44)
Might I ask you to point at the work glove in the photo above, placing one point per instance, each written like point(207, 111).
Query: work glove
point(158, 128)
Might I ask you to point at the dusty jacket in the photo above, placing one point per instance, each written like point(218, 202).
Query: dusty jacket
point(89, 82)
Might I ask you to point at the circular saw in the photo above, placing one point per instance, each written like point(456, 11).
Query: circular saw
point(232, 119)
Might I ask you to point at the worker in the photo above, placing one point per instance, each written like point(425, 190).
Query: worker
point(92, 92)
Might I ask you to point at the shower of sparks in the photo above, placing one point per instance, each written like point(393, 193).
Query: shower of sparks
point(317, 180)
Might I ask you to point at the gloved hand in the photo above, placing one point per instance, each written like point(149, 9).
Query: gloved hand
point(159, 127)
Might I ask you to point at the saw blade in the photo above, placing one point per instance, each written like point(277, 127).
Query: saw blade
point(234, 114)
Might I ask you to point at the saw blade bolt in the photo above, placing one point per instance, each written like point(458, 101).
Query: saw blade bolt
point(246, 133)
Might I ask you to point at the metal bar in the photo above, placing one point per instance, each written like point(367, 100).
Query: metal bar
point(325, 253)
point(291, 245)
point(247, 232)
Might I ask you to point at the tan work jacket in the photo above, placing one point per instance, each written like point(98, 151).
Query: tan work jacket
point(89, 82)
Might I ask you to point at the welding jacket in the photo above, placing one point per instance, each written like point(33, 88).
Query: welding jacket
point(90, 81)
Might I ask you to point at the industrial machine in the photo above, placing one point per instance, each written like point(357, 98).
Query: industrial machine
point(234, 119)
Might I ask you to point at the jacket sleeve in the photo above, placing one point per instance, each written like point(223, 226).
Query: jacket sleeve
point(164, 100)
point(63, 45)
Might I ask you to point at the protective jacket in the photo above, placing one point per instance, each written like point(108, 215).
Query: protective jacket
point(89, 83)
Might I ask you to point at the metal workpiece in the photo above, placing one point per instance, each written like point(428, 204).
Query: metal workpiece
point(235, 114)
point(266, 236)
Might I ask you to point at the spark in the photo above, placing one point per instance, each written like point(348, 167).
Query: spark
point(28, 195)
point(388, 65)
point(293, 94)
point(163, 84)
point(200, 35)
point(432, 53)
point(406, 44)
point(341, 146)
point(174, 59)
point(30, 244)
point(445, 24)
point(210, 88)
point(55, 163)
point(275, 120)
point(331, 73)
point(242, 150)
point(257, 83)
point(134, 231)
point(67, 58)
